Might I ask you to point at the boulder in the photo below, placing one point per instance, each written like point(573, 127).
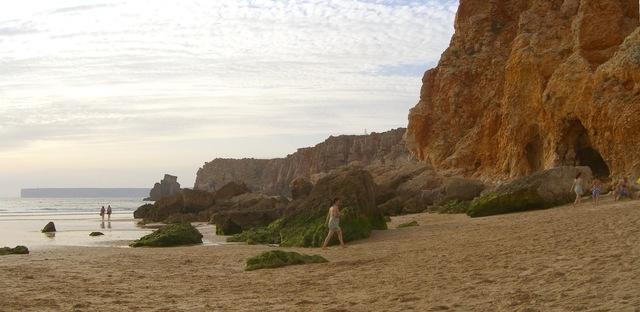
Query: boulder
point(171, 235)
point(278, 258)
point(300, 188)
point(143, 211)
point(18, 250)
point(168, 186)
point(303, 223)
point(49, 228)
point(187, 202)
point(248, 211)
point(461, 189)
point(541, 190)
point(231, 190)
point(96, 234)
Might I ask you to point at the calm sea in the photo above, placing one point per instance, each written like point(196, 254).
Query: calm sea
point(21, 220)
point(62, 206)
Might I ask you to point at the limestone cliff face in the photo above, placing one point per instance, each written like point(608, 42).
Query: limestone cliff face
point(527, 85)
point(273, 176)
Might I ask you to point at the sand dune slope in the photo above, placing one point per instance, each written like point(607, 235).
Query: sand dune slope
point(563, 259)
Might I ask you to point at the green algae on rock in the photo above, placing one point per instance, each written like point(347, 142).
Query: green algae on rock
point(176, 234)
point(279, 258)
point(18, 250)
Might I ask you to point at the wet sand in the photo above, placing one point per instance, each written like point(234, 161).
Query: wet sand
point(563, 259)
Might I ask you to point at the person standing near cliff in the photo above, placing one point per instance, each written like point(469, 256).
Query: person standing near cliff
point(333, 223)
point(109, 212)
point(102, 213)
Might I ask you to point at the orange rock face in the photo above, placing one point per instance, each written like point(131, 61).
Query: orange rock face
point(528, 85)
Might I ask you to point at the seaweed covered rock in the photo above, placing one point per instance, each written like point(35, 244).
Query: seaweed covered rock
point(171, 235)
point(96, 234)
point(542, 190)
point(304, 221)
point(49, 228)
point(278, 258)
point(247, 211)
point(18, 250)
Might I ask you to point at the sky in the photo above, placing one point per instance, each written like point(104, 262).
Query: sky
point(97, 93)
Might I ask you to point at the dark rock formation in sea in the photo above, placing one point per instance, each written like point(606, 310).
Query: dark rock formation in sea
point(528, 85)
point(168, 186)
point(18, 250)
point(49, 228)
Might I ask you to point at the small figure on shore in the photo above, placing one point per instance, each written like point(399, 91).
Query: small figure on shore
point(577, 188)
point(596, 190)
point(333, 223)
point(622, 189)
point(109, 212)
point(102, 211)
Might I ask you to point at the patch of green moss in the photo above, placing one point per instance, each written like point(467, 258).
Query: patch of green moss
point(171, 235)
point(279, 258)
point(500, 203)
point(454, 206)
point(18, 250)
point(407, 224)
point(310, 230)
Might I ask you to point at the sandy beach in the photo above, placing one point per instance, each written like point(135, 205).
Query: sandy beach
point(562, 259)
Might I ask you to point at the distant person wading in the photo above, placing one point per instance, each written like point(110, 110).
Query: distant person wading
point(333, 223)
point(102, 211)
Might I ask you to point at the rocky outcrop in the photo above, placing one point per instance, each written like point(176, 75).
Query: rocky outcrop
point(303, 223)
point(247, 211)
point(528, 85)
point(49, 228)
point(541, 190)
point(18, 250)
point(274, 176)
point(186, 205)
point(167, 187)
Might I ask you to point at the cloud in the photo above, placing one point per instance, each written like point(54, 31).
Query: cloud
point(92, 72)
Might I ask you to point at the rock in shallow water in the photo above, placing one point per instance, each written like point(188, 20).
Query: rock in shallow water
point(96, 234)
point(50, 227)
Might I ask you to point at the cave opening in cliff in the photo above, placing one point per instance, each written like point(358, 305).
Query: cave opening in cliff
point(534, 153)
point(580, 152)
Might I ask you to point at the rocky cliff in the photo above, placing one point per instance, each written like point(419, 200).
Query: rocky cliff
point(167, 187)
point(528, 85)
point(274, 176)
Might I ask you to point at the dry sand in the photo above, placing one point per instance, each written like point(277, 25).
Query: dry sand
point(563, 259)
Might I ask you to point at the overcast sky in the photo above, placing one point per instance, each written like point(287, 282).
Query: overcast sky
point(116, 93)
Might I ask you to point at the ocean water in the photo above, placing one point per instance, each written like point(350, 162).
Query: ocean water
point(21, 220)
point(61, 206)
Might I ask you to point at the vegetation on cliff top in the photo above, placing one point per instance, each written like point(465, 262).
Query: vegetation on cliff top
point(279, 258)
point(171, 235)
